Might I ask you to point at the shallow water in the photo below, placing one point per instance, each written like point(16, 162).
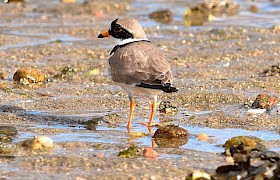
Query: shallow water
point(267, 16)
point(220, 136)
point(217, 137)
point(37, 39)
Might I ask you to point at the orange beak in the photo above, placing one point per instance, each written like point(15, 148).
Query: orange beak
point(104, 34)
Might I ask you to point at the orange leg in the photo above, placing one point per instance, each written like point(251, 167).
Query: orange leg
point(154, 106)
point(150, 131)
point(131, 107)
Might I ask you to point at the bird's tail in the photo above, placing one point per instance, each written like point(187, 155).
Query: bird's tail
point(168, 88)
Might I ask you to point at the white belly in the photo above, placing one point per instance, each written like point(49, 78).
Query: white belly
point(134, 90)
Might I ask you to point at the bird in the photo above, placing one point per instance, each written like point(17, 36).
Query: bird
point(136, 65)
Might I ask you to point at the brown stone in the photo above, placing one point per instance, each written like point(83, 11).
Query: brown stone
point(150, 153)
point(30, 74)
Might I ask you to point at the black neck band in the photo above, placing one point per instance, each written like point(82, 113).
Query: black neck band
point(120, 46)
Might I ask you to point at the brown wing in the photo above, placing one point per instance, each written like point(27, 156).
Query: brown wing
point(139, 62)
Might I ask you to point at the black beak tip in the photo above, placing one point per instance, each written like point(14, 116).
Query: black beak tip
point(100, 36)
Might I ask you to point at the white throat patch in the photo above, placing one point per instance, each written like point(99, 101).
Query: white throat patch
point(125, 41)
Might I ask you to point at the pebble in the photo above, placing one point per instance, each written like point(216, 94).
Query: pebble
point(3, 76)
point(163, 16)
point(202, 137)
point(38, 143)
point(100, 155)
point(8, 130)
point(276, 28)
point(150, 153)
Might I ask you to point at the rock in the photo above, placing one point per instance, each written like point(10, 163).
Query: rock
point(91, 5)
point(92, 124)
point(274, 70)
point(150, 153)
point(220, 7)
point(3, 76)
point(268, 168)
point(94, 72)
point(8, 130)
point(38, 143)
point(171, 136)
point(264, 101)
point(166, 107)
point(198, 175)
point(130, 152)
point(206, 11)
point(29, 75)
point(7, 148)
point(163, 16)
point(4, 138)
point(68, 69)
point(202, 137)
point(253, 9)
point(229, 160)
point(247, 142)
point(252, 163)
point(65, 71)
point(170, 131)
point(4, 86)
point(12, 109)
point(276, 28)
point(100, 155)
point(228, 172)
point(58, 41)
point(196, 17)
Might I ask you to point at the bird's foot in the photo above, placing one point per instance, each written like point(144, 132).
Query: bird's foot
point(149, 128)
point(146, 124)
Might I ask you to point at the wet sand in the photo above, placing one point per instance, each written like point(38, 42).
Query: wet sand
point(218, 68)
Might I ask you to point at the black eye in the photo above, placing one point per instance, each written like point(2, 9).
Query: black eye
point(117, 28)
